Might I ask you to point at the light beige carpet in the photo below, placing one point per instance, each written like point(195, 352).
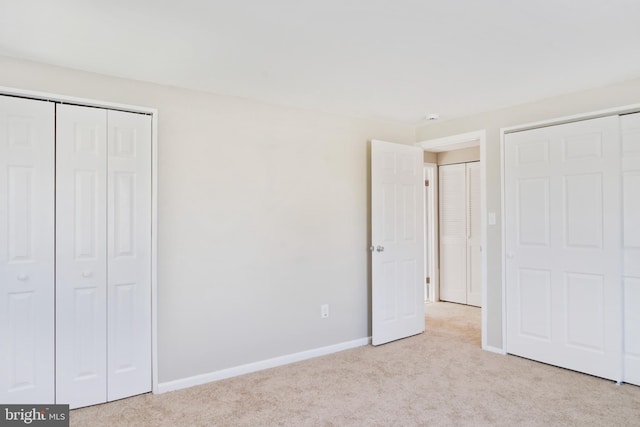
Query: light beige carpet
point(439, 378)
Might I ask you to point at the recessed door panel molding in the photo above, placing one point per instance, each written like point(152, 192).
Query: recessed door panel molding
point(579, 147)
point(583, 210)
point(388, 214)
point(409, 222)
point(631, 321)
point(631, 137)
point(20, 213)
point(584, 297)
point(389, 312)
point(533, 212)
point(631, 209)
point(81, 255)
point(22, 327)
point(86, 215)
point(27, 144)
point(129, 254)
point(534, 299)
point(581, 292)
point(535, 153)
point(88, 359)
point(124, 328)
point(407, 165)
point(630, 125)
point(397, 233)
point(409, 289)
point(124, 221)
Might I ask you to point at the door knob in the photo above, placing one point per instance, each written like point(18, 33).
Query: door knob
point(380, 248)
point(23, 277)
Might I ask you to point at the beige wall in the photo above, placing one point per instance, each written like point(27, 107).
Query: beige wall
point(464, 155)
point(616, 95)
point(430, 157)
point(263, 215)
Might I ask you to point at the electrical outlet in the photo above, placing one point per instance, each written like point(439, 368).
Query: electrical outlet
point(324, 311)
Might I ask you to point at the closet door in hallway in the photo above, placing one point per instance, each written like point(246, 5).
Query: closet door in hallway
point(460, 233)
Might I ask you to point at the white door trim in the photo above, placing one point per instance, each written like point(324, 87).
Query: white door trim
point(154, 194)
point(625, 109)
point(453, 142)
point(431, 230)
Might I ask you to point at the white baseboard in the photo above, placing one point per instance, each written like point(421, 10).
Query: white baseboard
point(258, 366)
point(494, 349)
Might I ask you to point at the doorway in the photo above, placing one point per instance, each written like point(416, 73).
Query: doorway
point(432, 148)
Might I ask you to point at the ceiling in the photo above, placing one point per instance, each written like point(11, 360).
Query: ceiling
point(395, 60)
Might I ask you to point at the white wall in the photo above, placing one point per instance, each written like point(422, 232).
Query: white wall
point(262, 217)
point(616, 95)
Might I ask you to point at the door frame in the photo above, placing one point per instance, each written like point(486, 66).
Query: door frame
point(431, 261)
point(45, 96)
point(625, 109)
point(459, 141)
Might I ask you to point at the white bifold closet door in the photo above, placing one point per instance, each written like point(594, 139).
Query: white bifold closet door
point(128, 254)
point(103, 235)
point(453, 233)
point(563, 245)
point(459, 213)
point(474, 236)
point(26, 251)
point(81, 260)
point(631, 244)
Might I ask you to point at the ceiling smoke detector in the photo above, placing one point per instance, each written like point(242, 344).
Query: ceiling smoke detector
point(432, 116)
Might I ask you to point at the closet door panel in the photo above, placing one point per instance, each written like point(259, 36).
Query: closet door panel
point(26, 251)
point(453, 233)
point(129, 254)
point(563, 245)
point(474, 236)
point(631, 244)
point(81, 269)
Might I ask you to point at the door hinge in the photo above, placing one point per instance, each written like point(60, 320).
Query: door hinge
point(428, 280)
point(426, 182)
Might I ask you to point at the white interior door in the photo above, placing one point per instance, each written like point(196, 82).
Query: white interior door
point(129, 254)
point(397, 233)
point(631, 245)
point(453, 233)
point(563, 246)
point(26, 250)
point(81, 258)
point(474, 236)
